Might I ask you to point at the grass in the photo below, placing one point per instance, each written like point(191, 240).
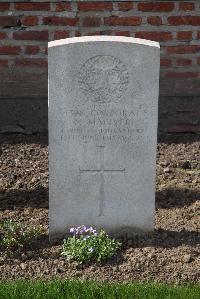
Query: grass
point(76, 289)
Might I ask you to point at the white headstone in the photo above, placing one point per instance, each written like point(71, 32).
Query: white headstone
point(103, 105)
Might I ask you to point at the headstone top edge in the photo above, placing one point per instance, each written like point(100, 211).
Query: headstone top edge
point(105, 38)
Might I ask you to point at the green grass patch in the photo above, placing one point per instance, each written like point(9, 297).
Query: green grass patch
point(76, 289)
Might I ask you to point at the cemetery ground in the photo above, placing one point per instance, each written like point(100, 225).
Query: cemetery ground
point(170, 254)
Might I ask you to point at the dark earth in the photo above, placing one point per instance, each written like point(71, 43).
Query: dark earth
point(169, 254)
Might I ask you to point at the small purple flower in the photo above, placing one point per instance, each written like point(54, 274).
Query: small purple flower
point(83, 230)
point(77, 229)
point(91, 230)
point(72, 229)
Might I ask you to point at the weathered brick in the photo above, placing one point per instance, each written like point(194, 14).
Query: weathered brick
point(125, 6)
point(29, 20)
point(61, 34)
point(165, 62)
point(8, 21)
point(198, 35)
point(31, 35)
point(32, 6)
point(91, 21)
point(102, 32)
point(53, 20)
point(93, 33)
point(77, 33)
point(3, 35)
point(156, 6)
point(4, 6)
point(154, 12)
point(182, 75)
point(32, 50)
point(3, 63)
point(184, 35)
point(98, 32)
point(37, 62)
point(63, 6)
point(156, 36)
point(154, 20)
point(122, 33)
point(184, 20)
point(9, 50)
point(186, 6)
point(122, 21)
point(95, 6)
point(183, 61)
point(183, 49)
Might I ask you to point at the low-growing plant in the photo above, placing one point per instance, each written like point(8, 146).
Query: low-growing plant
point(87, 244)
point(14, 234)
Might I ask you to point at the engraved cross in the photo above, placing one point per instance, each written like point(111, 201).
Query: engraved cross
point(102, 171)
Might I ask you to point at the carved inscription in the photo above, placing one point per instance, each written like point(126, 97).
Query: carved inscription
point(103, 79)
point(105, 125)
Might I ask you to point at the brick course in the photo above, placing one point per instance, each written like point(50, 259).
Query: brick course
point(175, 24)
point(26, 27)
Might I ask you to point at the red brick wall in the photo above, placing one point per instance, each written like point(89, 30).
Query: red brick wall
point(26, 27)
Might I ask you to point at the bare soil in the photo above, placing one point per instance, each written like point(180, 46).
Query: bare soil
point(169, 254)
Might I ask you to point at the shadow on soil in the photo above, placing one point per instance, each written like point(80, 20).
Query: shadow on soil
point(166, 239)
point(38, 198)
point(176, 198)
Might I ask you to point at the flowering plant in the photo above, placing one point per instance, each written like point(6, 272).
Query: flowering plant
point(87, 244)
point(14, 235)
